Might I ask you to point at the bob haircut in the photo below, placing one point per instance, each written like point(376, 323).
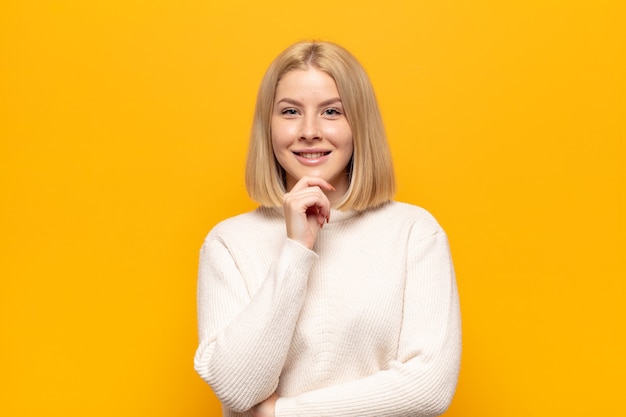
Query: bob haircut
point(370, 171)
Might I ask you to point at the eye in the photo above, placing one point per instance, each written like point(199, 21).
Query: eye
point(289, 111)
point(332, 111)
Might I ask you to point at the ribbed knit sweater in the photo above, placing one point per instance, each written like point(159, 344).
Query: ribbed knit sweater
point(365, 324)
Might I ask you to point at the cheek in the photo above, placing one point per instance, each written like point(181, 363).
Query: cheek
point(344, 138)
point(276, 136)
point(338, 132)
point(282, 135)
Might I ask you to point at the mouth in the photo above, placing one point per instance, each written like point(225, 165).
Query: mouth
point(311, 155)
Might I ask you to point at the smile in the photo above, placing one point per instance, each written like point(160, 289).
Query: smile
point(312, 155)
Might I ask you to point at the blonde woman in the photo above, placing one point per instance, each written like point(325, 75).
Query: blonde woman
point(330, 299)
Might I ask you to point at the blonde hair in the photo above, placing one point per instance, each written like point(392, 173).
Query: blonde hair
point(370, 170)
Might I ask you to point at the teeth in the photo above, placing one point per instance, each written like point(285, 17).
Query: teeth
point(313, 155)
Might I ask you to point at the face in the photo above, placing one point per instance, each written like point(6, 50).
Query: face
point(310, 133)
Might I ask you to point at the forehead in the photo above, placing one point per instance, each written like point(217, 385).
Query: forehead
point(306, 83)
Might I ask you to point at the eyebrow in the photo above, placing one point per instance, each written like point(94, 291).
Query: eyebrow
point(297, 103)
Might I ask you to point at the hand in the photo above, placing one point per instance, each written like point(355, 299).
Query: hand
point(307, 209)
point(265, 408)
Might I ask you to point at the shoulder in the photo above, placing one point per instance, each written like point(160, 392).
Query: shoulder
point(408, 215)
point(253, 222)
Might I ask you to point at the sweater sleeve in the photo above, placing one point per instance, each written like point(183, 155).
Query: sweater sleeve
point(244, 337)
point(422, 379)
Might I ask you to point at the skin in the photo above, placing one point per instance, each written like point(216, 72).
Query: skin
point(312, 141)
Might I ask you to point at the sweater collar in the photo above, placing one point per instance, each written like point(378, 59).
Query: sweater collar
point(336, 216)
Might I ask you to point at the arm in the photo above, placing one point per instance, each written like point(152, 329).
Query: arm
point(244, 338)
point(422, 380)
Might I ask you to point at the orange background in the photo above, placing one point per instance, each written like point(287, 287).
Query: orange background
point(124, 126)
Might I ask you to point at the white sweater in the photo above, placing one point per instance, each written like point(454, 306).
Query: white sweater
point(365, 324)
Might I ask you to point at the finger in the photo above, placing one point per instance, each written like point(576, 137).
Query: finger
point(310, 205)
point(306, 182)
point(321, 219)
point(304, 199)
point(317, 212)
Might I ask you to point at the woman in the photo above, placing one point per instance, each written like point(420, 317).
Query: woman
point(330, 299)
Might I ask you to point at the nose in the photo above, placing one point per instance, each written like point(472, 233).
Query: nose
point(309, 129)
